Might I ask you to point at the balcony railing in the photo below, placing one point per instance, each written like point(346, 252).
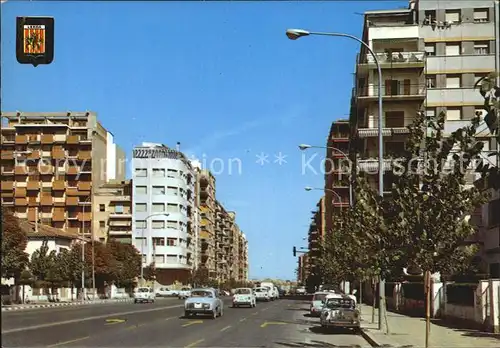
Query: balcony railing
point(397, 59)
point(399, 91)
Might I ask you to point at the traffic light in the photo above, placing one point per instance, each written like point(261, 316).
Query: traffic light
point(294, 251)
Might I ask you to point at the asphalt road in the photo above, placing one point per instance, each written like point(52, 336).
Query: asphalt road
point(280, 323)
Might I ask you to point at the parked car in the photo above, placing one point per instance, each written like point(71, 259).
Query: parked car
point(317, 303)
point(244, 297)
point(184, 293)
point(204, 302)
point(301, 291)
point(262, 294)
point(340, 311)
point(144, 295)
point(166, 292)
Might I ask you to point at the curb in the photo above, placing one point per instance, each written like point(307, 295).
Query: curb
point(51, 305)
point(369, 338)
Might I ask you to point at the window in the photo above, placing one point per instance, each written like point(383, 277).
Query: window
point(102, 207)
point(453, 114)
point(118, 209)
point(158, 241)
point(430, 15)
point(171, 258)
point(172, 224)
point(172, 191)
point(102, 224)
point(430, 49)
point(394, 119)
point(158, 172)
point(431, 81)
point(141, 207)
point(158, 207)
point(141, 224)
point(158, 224)
point(493, 216)
point(452, 16)
point(453, 49)
point(141, 190)
point(481, 15)
point(430, 112)
point(482, 47)
point(172, 173)
point(171, 241)
point(159, 258)
point(172, 208)
point(141, 241)
point(141, 173)
point(453, 81)
point(158, 190)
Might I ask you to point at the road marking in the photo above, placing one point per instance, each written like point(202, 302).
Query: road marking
point(68, 342)
point(194, 343)
point(193, 322)
point(135, 326)
point(272, 323)
point(72, 321)
point(224, 329)
point(243, 319)
point(265, 309)
point(114, 321)
point(170, 318)
point(255, 313)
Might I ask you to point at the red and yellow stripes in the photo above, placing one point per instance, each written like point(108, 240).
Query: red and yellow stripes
point(34, 39)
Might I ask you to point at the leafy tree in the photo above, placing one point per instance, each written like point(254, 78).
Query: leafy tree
point(127, 262)
point(106, 268)
point(150, 272)
point(428, 209)
point(491, 94)
point(42, 265)
point(14, 242)
point(199, 276)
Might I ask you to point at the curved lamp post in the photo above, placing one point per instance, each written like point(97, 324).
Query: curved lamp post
point(294, 34)
point(303, 147)
point(308, 188)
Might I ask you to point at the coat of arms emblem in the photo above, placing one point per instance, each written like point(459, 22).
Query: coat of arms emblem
point(35, 40)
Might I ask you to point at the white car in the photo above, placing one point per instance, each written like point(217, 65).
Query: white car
point(166, 292)
point(273, 290)
point(262, 294)
point(301, 291)
point(184, 293)
point(244, 297)
point(144, 295)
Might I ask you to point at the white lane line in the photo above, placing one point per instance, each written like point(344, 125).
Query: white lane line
point(224, 329)
point(243, 319)
point(68, 342)
point(35, 327)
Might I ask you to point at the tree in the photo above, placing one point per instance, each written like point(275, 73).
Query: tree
point(429, 207)
point(149, 272)
point(14, 242)
point(491, 94)
point(127, 262)
point(199, 276)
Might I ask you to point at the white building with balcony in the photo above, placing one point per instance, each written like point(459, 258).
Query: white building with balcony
point(163, 196)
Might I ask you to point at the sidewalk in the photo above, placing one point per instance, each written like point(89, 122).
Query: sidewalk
point(407, 331)
point(60, 304)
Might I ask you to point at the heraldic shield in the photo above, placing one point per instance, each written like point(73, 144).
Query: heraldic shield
point(35, 40)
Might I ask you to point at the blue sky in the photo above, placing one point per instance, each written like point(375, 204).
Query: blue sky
point(219, 77)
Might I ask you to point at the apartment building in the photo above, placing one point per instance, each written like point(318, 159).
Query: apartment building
point(163, 198)
point(51, 164)
point(112, 207)
point(302, 269)
point(489, 230)
point(208, 207)
point(315, 237)
point(224, 240)
point(243, 258)
point(431, 55)
point(196, 241)
point(337, 170)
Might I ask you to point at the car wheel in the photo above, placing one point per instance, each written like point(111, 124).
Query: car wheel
point(135, 301)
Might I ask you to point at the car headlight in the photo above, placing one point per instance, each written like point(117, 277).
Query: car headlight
point(206, 306)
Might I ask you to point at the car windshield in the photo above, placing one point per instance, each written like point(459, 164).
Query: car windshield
point(319, 297)
point(185, 289)
point(260, 290)
point(143, 290)
point(334, 303)
point(242, 292)
point(201, 293)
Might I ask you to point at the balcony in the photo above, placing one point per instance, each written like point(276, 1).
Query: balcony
point(394, 91)
point(84, 155)
point(21, 139)
point(73, 170)
point(394, 60)
point(58, 215)
point(21, 201)
point(58, 185)
point(33, 202)
point(46, 170)
point(120, 199)
point(371, 165)
point(115, 215)
point(7, 154)
point(120, 223)
point(72, 139)
point(72, 201)
point(47, 139)
point(84, 185)
point(46, 201)
point(476, 62)
point(33, 185)
point(85, 216)
point(58, 153)
point(389, 132)
point(453, 96)
point(7, 185)
point(33, 155)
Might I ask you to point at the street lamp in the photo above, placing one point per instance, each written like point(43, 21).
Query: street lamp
point(303, 147)
point(142, 242)
point(308, 188)
point(294, 34)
